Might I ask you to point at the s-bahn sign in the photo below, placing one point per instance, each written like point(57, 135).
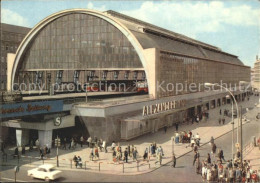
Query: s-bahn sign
point(30, 108)
point(161, 107)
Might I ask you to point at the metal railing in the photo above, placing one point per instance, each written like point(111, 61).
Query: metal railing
point(95, 165)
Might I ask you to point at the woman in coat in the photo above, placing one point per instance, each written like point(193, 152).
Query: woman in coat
point(145, 154)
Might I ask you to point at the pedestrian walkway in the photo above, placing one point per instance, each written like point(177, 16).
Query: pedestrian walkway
point(254, 157)
point(206, 130)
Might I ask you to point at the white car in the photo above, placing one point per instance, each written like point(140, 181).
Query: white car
point(46, 172)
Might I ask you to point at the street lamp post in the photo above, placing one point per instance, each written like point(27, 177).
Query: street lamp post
point(172, 145)
point(241, 138)
point(57, 144)
point(87, 93)
point(232, 130)
point(215, 84)
point(87, 84)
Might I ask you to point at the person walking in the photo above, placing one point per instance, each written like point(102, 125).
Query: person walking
point(223, 121)
point(221, 155)
point(132, 150)
point(72, 144)
point(153, 149)
point(129, 150)
point(16, 152)
point(238, 154)
point(113, 146)
point(204, 172)
point(126, 155)
point(208, 174)
point(195, 157)
point(114, 156)
point(165, 129)
point(89, 141)
point(214, 148)
point(231, 175)
point(37, 143)
point(23, 149)
point(190, 135)
point(145, 153)
point(75, 160)
point(197, 139)
point(209, 159)
point(64, 143)
point(198, 166)
point(198, 119)
point(220, 112)
point(173, 160)
point(96, 152)
point(238, 175)
point(41, 153)
point(135, 154)
point(159, 154)
point(176, 126)
point(219, 121)
point(212, 140)
point(81, 141)
point(104, 145)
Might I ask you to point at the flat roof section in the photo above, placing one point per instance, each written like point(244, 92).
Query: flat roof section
point(72, 95)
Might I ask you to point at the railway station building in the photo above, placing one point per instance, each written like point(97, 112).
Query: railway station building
point(81, 47)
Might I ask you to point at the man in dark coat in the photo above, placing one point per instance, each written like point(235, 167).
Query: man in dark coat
point(214, 148)
point(173, 160)
point(196, 156)
point(16, 152)
point(176, 126)
point(126, 155)
point(165, 128)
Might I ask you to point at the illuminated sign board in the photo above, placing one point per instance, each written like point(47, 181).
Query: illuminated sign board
point(30, 108)
point(161, 107)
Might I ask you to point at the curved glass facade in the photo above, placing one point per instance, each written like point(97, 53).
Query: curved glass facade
point(78, 42)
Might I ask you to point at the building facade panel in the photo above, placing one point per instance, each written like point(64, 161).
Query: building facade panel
point(11, 37)
point(182, 74)
point(256, 74)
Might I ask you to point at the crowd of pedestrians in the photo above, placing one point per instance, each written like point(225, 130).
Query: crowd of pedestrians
point(221, 170)
point(228, 172)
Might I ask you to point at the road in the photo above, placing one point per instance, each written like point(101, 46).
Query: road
point(184, 171)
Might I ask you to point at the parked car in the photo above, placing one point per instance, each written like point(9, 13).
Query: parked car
point(46, 172)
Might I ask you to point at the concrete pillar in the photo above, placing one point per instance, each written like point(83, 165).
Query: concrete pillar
point(156, 124)
point(22, 137)
point(45, 137)
point(195, 110)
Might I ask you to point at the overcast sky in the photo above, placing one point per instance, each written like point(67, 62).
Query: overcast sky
point(232, 26)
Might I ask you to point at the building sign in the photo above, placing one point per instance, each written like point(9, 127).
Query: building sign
point(165, 106)
point(30, 108)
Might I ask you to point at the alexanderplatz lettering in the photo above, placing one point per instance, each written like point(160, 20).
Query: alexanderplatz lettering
point(29, 108)
point(165, 106)
point(32, 108)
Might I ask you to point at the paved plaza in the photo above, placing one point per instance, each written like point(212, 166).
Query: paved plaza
point(105, 165)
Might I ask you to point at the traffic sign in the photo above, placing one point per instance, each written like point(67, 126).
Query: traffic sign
point(57, 142)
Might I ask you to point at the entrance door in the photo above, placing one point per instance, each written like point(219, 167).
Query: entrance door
point(33, 136)
point(72, 132)
point(199, 109)
point(191, 112)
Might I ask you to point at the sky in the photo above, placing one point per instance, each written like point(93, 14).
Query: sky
point(232, 25)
